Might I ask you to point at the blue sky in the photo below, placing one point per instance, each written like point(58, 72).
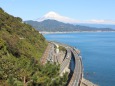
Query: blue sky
point(76, 9)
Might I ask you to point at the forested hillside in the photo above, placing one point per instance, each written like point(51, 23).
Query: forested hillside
point(21, 48)
point(56, 26)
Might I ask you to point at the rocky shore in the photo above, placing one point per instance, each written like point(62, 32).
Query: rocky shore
point(85, 82)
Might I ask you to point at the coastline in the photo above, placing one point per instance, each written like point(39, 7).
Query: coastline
point(44, 32)
point(102, 37)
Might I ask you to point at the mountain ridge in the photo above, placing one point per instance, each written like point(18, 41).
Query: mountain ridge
point(56, 26)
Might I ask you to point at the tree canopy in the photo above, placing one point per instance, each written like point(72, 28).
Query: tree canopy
point(21, 48)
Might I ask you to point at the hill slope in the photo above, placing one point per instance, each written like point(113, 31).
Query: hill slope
point(21, 47)
point(56, 26)
point(20, 38)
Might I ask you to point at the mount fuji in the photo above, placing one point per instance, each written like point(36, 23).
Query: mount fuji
point(55, 16)
point(52, 22)
point(93, 22)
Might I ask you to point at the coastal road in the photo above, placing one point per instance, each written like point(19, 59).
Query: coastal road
point(77, 74)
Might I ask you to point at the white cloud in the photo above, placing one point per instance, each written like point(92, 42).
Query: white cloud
point(100, 21)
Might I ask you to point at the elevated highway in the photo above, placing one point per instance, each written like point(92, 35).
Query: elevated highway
point(77, 73)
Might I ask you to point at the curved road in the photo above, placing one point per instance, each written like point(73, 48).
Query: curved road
point(77, 74)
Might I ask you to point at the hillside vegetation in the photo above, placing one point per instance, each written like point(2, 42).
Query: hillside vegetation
point(21, 48)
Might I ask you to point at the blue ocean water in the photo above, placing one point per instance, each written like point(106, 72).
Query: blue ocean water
point(97, 51)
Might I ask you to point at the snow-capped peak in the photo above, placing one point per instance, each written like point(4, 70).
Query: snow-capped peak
point(55, 16)
point(51, 15)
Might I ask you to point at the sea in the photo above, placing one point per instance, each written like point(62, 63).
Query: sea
point(97, 51)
